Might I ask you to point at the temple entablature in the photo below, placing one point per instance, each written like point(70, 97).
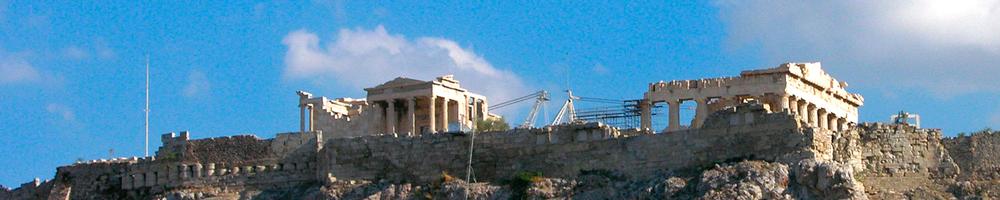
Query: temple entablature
point(803, 89)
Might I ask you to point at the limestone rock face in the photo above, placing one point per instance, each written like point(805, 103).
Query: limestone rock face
point(828, 180)
point(745, 180)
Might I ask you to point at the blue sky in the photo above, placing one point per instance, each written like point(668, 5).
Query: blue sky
point(71, 73)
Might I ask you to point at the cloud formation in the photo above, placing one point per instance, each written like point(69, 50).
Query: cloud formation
point(63, 111)
point(75, 52)
point(197, 83)
point(947, 47)
point(99, 48)
point(14, 69)
point(364, 58)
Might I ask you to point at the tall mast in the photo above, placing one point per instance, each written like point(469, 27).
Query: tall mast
point(147, 106)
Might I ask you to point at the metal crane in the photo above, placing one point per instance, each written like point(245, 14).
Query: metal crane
point(567, 111)
point(540, 98)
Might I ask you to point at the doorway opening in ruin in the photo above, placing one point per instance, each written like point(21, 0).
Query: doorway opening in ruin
point(687, 112)
point(659, 122)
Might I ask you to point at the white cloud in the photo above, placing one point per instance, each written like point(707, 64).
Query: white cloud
point(103, 50)
point(946, 47)
point(600, 69)
point(14, 69)
point(364, 58)
point(197, 84)
point(63, 111)
point(99, 48)
point(75, 52)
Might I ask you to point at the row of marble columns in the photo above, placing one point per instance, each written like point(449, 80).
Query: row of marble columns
point(390, 115)
point(303, 110)
point(809, 112)
point(174, 174)
point(814, 115)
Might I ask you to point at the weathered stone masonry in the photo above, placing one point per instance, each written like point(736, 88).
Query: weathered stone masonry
point(563, 151)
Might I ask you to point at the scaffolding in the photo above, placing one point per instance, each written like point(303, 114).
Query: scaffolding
point(623, 114)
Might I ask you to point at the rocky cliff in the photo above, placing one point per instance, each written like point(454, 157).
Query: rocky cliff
point(743, 152)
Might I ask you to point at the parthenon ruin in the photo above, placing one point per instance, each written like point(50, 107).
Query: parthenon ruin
point(802, 89)
point(400, 106)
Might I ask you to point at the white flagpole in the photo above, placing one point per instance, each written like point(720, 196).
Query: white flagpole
point(147, 106)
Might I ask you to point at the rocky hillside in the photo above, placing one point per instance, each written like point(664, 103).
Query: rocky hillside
point(741, 153)
point(738, 180)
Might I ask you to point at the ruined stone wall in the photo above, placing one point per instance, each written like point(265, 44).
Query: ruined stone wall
point(977, 155)
point(243, 161)
point(98, 180)
point(899, 150)
point(746, 132)
point(334, 126)
point(36, 189)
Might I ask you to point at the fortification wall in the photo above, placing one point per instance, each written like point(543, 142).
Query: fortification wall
point(899, 150)
point(36, 189)
point(978, 155)
point(746, 132)
point(232, 160)
point(243, 161)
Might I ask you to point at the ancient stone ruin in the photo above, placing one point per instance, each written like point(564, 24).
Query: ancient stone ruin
point(789, 132)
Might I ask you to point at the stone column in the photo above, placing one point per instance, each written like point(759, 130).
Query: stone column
point(675, 115)
point(379, 118)
point(842, 124)
point(412, 111)
point(812, 115)
point(391, 117)
point(431, 114)
point(302, 119)
point(220, 170)
point(312, 118)
point(480, 107)
point(197, 170)
point(793, 105)
point(701, 112)
point(646, 107)
point(444, 114)
point(782, 103)
point(185, 171)
point(210, 169)
point(461, 112)
point(803, 110)
point(832, 122)
point(486, 108)
point(822, 121)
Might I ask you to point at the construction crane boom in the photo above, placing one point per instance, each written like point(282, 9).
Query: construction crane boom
point(567, 111)
point(540, 97)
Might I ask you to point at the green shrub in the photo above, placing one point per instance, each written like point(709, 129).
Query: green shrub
point(492, 124)
point(521, 182)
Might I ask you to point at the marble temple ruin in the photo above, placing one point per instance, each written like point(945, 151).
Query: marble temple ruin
point(401, 106)
point(407, 132)
point(799, 88)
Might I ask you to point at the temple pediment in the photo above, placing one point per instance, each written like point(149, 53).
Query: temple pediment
point(398, 82)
